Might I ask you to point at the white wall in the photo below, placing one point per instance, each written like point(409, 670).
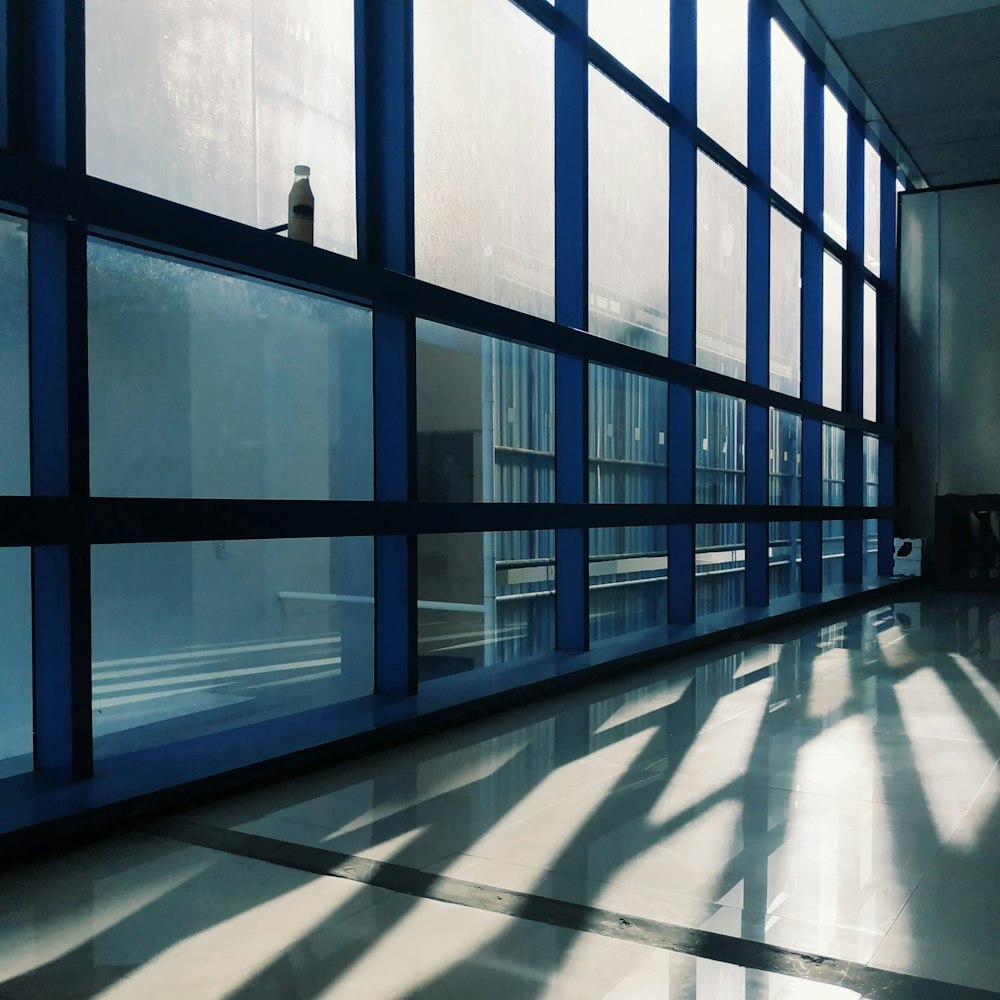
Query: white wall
point(949, 347)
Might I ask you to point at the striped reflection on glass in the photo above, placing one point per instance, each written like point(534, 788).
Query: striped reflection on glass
point(191, 638)
point(483, 599)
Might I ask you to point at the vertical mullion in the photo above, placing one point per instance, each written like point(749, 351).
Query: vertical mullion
point(758, 290)
point(854, 336)
point(571, 229)
point(60, 432)
point(384, 82)
point(812, 322)
point(887, 346)
point(683, 248)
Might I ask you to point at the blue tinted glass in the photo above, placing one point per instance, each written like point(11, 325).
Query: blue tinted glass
point(191, 638)
point(483, 600)
point(485, 427)
point(205, 384)
point(15, 462)
point(16, 720)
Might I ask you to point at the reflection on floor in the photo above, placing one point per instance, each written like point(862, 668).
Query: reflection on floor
point(833, 792)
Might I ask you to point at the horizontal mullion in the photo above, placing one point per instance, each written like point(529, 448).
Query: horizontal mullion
point(631, 83)
point(116, 520)
point(545, 14)
point(144, 220)
point(730, 163)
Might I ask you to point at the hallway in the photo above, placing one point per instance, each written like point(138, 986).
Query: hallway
point(708, 829)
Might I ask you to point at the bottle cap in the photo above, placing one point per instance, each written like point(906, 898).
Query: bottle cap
point(301, 170)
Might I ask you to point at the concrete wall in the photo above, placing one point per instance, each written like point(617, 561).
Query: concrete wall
point(949, 347)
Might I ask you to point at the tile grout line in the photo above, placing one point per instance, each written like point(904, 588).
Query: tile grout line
point(864, 979)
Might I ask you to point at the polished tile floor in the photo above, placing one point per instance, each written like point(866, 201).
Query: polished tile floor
point(704, 830)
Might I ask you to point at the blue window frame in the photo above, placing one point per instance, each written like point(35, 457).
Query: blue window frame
point(536, 387)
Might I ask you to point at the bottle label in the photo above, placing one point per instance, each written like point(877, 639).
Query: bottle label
point(302, 211)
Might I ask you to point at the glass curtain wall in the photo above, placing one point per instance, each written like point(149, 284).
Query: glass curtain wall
point(317, 475)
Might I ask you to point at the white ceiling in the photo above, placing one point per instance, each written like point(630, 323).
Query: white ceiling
point(931, 71)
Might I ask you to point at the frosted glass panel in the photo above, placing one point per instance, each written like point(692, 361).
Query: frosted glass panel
point(640, 40)
point(722, 72)
point(484, 154)
point(720, 441)
point(15, 454)
point(628, 437)
point(833, 332)
point(870, 356)
point(787, 116)
point(721, 271)
point(191, 638)
point(628, 580)
point(786, 304)
point(483, 600)
point(204, 384)
point(834, 168)
point(485, 409)
point(212, 103)
point(873, 207)
point(16, 719)
point(629, 213)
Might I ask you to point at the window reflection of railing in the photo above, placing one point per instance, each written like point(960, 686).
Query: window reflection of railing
point(719, 570)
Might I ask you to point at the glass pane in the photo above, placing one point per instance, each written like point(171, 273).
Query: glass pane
point(641, 40)
point(719, 568)
point(15, 453)
point(485, 428)
point(628, 580)
point(786, 304)
point(16, 719)
point(784, 559)
point(3, 72)
point(833, 469)
point(205, 384)
point(784, 458)
point(833, 553)
point(212, 103)
point(870, 568)
point(870, 357)
point(722, 73)
point(834, 440)
point(834, 167)
point(629, 233)
point(484, 153)
point(784, 487)
point(788, 69)
point(192, 638)
point(483, 600)
point(873, 207)
point(720, 471)
point(870, 446)
point(721, 271)
point(628, 437)
point(833, 332)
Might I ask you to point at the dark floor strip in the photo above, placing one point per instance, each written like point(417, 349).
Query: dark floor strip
point(870, 983)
